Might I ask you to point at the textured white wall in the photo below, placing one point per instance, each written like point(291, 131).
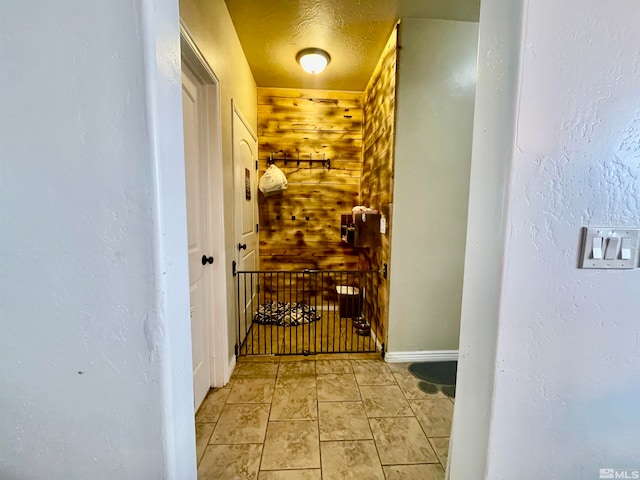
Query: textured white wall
point(93, 244)
point(210, 25)
point(567, 365)
point(435, 97)
point(568, 357)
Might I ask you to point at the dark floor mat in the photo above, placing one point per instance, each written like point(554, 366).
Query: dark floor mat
point(441, 373)
point(428, 387)
point(449, 390)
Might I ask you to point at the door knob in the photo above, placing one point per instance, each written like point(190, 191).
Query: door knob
point(206, 260)
point(242, 246)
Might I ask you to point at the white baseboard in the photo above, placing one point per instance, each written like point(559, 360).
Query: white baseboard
point(421, 356)
point(229, 372)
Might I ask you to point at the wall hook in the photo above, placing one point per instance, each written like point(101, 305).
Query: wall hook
point(325, 162)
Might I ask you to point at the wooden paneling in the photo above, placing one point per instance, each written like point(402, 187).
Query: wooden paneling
point(294, 124)
point(377, 178)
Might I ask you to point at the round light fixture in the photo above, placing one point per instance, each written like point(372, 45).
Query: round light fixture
point(313, 60)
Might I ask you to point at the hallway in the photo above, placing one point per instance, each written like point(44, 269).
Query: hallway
point(324, 417)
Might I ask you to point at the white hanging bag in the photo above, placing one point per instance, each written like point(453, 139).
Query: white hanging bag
point(273, 181)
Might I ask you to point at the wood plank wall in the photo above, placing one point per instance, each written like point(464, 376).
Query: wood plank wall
point(377, 177)
point(293, 124)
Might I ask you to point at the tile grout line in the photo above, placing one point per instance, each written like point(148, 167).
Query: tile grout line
point(422, 428)
point(318, 418)
point(437, 456)
point(264, 442)
point(373, 438)
point(205, 447)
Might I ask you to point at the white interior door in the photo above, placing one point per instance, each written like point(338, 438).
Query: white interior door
point(197, 183)
point(245, 154)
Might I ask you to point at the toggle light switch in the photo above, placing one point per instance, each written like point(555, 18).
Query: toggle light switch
point(597, 248)
point(610, 248)
point(611, 253)
point(383, 224)
point(625, 248)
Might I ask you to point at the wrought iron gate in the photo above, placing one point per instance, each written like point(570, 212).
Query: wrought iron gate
point(306, 312)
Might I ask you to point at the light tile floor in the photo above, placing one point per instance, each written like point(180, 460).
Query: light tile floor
point(326, 417)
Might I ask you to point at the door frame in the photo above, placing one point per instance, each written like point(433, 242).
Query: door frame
point(472, 417)
point(235, 110)
point(219, 345)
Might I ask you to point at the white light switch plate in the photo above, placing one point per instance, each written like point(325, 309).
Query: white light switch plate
point(597, 241)
point(383, 225)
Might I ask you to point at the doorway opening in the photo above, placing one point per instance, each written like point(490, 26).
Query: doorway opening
point(321, 195)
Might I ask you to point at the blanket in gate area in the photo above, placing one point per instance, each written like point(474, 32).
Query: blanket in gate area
point(286, 314)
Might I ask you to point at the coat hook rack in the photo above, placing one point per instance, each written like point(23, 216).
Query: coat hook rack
point(326, 162)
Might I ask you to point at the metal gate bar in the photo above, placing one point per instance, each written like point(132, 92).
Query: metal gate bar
point(305, 312)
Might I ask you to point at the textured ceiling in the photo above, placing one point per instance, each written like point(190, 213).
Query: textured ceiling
point(354, 33)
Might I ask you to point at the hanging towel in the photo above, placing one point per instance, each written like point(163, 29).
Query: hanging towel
point(362, 210)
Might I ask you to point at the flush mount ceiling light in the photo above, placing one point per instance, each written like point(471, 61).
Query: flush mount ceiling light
point(313, 60)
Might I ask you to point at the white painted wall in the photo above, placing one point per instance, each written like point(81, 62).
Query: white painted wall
point(567, 365)
point(434, 119)
point(94, 301)
point(493, 137)
point(209, 23)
